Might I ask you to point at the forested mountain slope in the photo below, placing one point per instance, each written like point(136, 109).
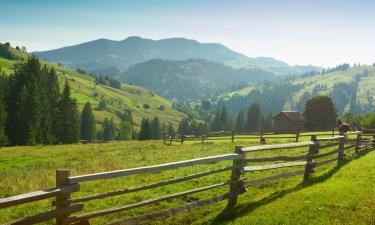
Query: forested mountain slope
point(351, 90)
point(140, 101)
point(111, 57)
point(191, 79)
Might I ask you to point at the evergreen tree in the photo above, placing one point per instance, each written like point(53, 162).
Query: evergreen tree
point(3, 111)
point(320, 114)
point(156, 129)
point(253, 118)
point(216, 124)
point(109, 130)
point(145, 133)
point(184, 127)
point(170, 129)
point(68, 124)
point(125, 131)
point(226, 122)
point(88, 125)
point(240, 122)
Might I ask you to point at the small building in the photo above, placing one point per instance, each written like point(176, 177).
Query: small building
point(288, 122)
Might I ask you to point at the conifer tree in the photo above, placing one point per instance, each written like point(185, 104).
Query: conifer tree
point(145, 133)
point(156, 129)
point(68, 118)
point(88, 125)
point(253, 118)
point(184, 127)
point(3, 112)
point(240, 122)
point(109, 130)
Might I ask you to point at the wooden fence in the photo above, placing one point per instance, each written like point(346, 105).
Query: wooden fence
point(232, 136)
point(66, 208)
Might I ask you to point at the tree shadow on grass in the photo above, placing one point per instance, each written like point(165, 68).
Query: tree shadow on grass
point(228, 214)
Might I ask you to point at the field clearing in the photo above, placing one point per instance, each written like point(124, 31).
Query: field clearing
point(25, 169)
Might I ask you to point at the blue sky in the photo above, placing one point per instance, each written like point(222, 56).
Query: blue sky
point(324, 33)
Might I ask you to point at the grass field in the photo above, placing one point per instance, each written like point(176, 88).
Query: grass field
point(333, 196)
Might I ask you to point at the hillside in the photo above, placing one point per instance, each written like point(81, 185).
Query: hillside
point(191, 79)
point(141, 102)
point(112, 57)
point(350, 89)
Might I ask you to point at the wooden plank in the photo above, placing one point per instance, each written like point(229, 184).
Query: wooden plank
point(274, 166)
point(48, 215)
point(349, 147)
point(331, 138)
point(278, 146)
point(274, 177)
point(329, 145)
point(325, 162)
point(153, 185)
point(326, 154)
point(37, 195)
point(279, 137)
point(139, 204)
point(165, 213)
point(140, 170)
point(278, 158)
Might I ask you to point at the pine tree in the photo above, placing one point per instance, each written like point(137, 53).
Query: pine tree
point(156, 129)
point(320, 114)
point(3, 112)
point(88, 125)
point(145, 133)
point(240, 122)
point(184, 127)
point(109, 130)
point(253, 118)
point(216, 124)
point(68, 118)
point(226, 122)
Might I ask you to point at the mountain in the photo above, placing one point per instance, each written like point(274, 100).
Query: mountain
point(112, 57)
point(191, 79)
point(140, 101)
point(103, 53)
point(351, 89)
point(271, 65)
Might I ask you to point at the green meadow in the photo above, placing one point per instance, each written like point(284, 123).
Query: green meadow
point(334, 195)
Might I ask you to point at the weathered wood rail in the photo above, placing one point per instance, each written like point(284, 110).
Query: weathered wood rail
point(232, 136)
point(311, 155)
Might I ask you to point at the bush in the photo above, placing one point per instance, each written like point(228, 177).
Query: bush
point(146, 106)
point(368, 121)
point(161, 107)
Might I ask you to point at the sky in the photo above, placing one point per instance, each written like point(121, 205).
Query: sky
point(316, 32)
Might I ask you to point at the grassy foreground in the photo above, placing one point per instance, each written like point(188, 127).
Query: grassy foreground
point(335, 195)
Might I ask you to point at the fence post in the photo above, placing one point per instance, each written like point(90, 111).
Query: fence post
point(297, 137)
point(163, 137)
point(313, 149)
point(261, 138)
point(340, 157)
point(62, 198)
point(202, 138)
point(358, 142)
point(182, 138)
point(232, 136)
point(235, 186)
point(333, 132)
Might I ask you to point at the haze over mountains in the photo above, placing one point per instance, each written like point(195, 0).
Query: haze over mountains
point(105, 55)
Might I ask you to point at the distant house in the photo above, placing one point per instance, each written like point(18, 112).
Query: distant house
point(288, 122)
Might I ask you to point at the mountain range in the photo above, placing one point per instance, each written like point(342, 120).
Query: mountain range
point(109, 56)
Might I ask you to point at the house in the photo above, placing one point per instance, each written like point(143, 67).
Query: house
point(288, 122)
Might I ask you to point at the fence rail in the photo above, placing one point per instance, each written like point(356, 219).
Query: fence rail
point(232, 135)
point(67, 207)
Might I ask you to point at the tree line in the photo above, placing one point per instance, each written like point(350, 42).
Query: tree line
point(34, 110)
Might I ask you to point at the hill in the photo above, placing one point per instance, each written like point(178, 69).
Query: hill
point(191, 79)
point(140, 101)
point(350, 89)
point(117, 56)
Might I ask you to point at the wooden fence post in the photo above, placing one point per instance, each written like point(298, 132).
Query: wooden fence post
point(261, 138)
point(313, 150)
point(62, 198)
point(340, 157)
point(232, 136)
point(182, 138)
point(163, 137)
point(297, 137)
point(333, 132)
point(358, 142)
point(235, 186)
point(202, 138)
